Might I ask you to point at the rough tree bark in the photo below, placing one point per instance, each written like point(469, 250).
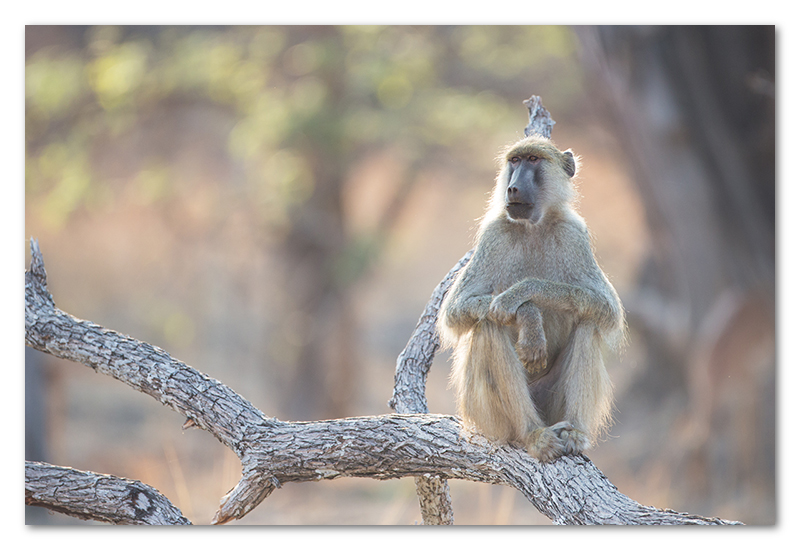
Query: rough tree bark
point(570, 491)
point(430, 447)
point(100, 497)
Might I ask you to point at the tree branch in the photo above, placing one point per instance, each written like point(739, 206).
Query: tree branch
point(414, 362)
point(87, 495)
point(411, 373)
point(146, 368)
point(570, 491)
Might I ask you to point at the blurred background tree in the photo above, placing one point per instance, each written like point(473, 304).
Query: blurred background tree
point(274, 205)
point(694, 108)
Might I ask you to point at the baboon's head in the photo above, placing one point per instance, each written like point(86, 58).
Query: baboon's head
point(534, 177)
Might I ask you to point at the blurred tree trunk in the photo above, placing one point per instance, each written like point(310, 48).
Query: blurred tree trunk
point(694, 109)
point(36, 429)
point(322, 380)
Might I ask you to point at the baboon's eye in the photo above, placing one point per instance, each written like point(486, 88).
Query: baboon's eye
point(533, 158)
point(514, 160)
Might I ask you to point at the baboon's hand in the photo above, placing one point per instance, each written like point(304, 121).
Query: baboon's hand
point(463, 315)
point(532, 343)
point(477, 307)
point(532, 351)
point(574, 440)
point(503, 309)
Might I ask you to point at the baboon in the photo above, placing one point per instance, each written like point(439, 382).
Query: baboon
point(529, 314)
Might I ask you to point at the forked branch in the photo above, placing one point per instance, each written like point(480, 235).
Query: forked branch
point(272, 452)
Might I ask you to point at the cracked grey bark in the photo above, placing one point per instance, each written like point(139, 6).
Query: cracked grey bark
point(569, 491)
point(539, 121)
point(101, 497)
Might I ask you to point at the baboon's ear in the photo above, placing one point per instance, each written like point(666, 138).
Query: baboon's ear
point(568, 162)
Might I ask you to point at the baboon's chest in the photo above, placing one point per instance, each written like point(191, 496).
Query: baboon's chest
point(541, 259)
point(537, 259)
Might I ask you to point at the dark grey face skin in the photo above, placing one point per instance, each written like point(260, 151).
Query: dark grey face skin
point(524, 189)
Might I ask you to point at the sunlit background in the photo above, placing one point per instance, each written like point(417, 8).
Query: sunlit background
point(275, 205)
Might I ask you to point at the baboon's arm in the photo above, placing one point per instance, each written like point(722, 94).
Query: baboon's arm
point(469, 299)
point(464, 311)
point(599, 306)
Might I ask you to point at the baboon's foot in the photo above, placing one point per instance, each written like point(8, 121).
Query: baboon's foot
point(544, 444)
point(574, 440)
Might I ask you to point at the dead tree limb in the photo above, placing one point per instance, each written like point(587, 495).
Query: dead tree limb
point(539, 121)
point(570, 491)
point(100, 497)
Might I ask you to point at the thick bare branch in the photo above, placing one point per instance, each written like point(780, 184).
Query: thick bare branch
point(87, 495)
point(570, 491)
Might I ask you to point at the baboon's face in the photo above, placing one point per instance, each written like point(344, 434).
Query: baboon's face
point(524, 191)
point(536, 176)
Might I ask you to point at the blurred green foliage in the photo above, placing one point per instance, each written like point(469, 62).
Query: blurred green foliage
point(287, 90)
